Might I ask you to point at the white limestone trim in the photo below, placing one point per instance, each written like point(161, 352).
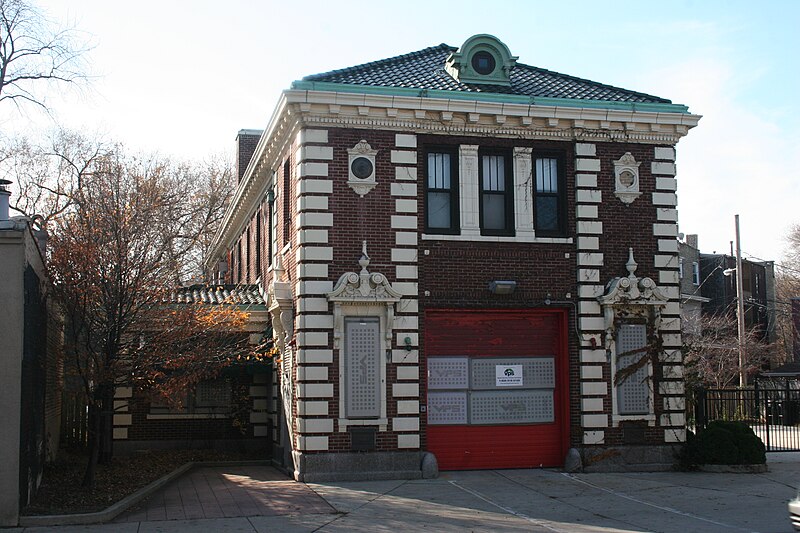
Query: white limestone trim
point(669, 199)
point(312, 305)
point(675, 388)
point(309, 136)
point(405, 423)
point(469, 209)
point(589, 275)
point(314, 390)
point(306, 152)
point(405, 173)
point(591, 372)
point(588, 243)
point(588, 307)
point(665, 230)
point(314, 186)
point(119, 433)
point(406, 238)
point(667, 214)
point(586, 211)
point(312, 373)
point(408, 373)
point(408, 407)
point(306, 169)
point(404, 157)
point(594, 437)
point(594, 421)
point(673, 419)
point(593, 356)
point(591, 405)
point(314, 253)
point(405, 206)
point(404, 222)
point(310, 444)
point(589, 196)
point(493, 238)
point(408, 441)
point(305, 220)
point(314, 425)
point(523, 193)
point(674, 435)
point(406, 272)
point(667, 153)
point(404, 255)
point(666, 184)
point(658, 167)
point(404, 189)
point(312, 408)
point(587, 165)
point(586, 180)
point(405, 356)
point(594, 388)
point(314, 355)
point(312, 203)
point(672, 403)
point(405, 140)
point(585, 149)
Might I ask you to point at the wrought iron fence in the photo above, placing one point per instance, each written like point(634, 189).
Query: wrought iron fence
point(771, 409)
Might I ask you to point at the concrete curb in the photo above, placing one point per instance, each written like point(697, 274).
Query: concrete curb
point(734, 469)
point(112, 511)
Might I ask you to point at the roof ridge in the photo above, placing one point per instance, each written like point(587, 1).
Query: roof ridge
point(380, 62)
point(592, 82)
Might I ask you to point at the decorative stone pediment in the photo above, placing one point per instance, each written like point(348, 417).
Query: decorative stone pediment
point(361, 168)
point(626, 178)
point(280, 306)
point(354, 290)
point(631, 295)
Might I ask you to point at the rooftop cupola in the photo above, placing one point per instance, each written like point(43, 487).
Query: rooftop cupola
point(482, 58)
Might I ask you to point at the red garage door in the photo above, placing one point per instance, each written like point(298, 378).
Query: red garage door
point(497, 386)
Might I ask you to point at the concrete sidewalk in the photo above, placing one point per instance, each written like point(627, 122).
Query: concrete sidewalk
point(503, 500)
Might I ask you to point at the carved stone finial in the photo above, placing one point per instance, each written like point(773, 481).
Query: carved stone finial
point(278, 271)
point(631, 264)
point(364, 261)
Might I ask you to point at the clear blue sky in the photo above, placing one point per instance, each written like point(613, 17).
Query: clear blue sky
point(183, 77)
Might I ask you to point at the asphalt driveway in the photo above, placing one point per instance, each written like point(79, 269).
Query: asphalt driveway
point(500, 500)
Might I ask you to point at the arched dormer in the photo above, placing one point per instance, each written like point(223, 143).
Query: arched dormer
point(482, 58)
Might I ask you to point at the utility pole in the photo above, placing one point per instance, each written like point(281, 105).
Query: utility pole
point(740, 308)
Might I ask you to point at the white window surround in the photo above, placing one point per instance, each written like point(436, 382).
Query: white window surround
point(469, 200)
point(626, 178)
point(363, 294)
point(635, 298)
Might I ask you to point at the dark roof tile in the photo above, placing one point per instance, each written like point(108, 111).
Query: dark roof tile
point(424, 69)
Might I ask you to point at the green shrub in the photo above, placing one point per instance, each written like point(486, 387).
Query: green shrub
point(724, 443)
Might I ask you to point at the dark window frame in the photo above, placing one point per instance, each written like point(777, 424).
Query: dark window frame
point(455, 213)
point(560, 195)
point(508, 193)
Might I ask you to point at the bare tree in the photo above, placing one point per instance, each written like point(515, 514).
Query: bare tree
point(712, 351)
point(113, 256)
point(34, 53)
point(49, 174)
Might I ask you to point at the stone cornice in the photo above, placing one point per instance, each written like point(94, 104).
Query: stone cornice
point(455, 114)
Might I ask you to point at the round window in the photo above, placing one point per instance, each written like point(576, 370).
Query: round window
point(627, 178)
point(361, 167)
point(483, 62)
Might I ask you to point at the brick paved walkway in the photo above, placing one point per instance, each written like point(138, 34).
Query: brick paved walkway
point(228, 491)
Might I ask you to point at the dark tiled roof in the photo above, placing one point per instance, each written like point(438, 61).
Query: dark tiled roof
point(218, 294)
point(425, 70)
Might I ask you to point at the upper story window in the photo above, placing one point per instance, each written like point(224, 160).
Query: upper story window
point(496, 200)
point(696, 273)
point(549, 197)
point(441, 197)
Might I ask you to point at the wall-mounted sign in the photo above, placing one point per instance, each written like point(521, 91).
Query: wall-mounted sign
point(508, 375)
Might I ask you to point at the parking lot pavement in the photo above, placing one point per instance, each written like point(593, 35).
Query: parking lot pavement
point(507, 501)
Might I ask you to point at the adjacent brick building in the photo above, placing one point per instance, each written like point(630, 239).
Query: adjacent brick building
point(467, 256)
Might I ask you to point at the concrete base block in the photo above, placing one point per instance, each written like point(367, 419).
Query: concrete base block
point(351, 466)
point(630, 459)
point(430, 466)
point(573, 462)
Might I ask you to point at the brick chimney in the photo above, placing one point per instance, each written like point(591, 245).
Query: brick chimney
point(246, 141)
point(691, 240)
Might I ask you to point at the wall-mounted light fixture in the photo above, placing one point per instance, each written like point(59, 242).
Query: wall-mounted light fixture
point(502, 286)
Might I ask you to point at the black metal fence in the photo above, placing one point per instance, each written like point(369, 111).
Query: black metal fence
point(771, 409)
